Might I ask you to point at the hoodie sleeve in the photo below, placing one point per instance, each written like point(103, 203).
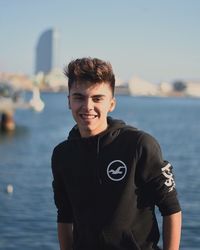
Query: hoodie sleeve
point(64, 210)
point(155, 176)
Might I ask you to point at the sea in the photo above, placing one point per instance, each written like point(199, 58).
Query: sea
point(28, 214)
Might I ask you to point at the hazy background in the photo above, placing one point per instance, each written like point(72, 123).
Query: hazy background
point(157, 39)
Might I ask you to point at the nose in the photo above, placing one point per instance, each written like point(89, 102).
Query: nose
point(88, 104)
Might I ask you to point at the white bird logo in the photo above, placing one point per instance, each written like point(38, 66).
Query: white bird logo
point(116, 170)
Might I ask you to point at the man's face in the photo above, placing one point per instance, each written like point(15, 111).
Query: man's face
point(90, 104)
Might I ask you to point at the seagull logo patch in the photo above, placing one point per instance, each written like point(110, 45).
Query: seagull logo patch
point(116, 170)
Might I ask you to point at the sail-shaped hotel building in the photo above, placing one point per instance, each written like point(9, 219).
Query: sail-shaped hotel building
point(47, 48)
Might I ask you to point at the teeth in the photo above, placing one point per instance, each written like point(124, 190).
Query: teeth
point(88, 116)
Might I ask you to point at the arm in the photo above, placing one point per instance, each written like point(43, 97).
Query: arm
point(172, 231)
point(65, 236)
point(64, 211)
point(157, 175)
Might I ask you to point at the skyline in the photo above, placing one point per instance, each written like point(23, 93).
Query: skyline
point(156, 40)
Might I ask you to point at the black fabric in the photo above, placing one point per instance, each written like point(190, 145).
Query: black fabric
point(108, 185)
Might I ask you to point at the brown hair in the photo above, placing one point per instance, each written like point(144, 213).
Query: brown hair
point(91, 70)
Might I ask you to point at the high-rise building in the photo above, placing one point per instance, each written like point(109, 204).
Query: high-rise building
point(47, 51)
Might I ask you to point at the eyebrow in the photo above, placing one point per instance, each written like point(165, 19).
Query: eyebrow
point(81, 95)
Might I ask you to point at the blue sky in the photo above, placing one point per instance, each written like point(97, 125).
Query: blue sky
point(158, 40)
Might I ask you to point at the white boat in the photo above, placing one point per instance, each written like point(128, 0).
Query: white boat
point(36, 102)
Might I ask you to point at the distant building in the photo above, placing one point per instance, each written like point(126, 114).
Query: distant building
point(193, 88)
point(165, 89)
point(47, 51)
point(138, 86)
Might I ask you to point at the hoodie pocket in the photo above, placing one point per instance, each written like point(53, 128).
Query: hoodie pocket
point(129, 242)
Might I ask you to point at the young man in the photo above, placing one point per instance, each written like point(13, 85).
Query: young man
point(108, 176)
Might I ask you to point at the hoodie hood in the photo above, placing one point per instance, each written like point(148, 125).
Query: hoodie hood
point(106, 137)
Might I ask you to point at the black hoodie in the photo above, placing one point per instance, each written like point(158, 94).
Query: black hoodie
point(108, 185)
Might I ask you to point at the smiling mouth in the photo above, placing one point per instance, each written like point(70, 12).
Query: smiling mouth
point(88, 116)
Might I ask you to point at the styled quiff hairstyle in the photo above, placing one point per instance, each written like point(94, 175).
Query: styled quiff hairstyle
point(90, 70)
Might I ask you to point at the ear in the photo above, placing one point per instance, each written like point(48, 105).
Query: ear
point(69, 105)
point(112, 104)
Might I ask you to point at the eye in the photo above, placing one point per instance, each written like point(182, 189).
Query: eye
point(97, 99)
point(78, 98)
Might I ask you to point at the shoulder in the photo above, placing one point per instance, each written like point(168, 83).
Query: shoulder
point(61, 146)
point(59, 149)
point(146, 139)
point(141, 136)
point(143, 139)
point(58, 156)
point(148, 146)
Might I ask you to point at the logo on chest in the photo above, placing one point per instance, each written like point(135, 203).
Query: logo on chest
point(116, 170)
